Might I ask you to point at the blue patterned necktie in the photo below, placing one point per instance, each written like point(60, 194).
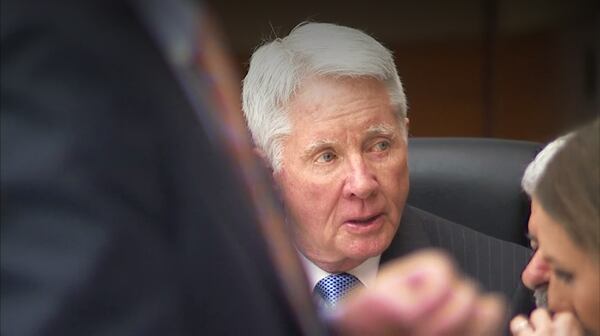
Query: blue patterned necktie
point(332, 288)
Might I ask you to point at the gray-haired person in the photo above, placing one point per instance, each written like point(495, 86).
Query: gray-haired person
point(535, 275)
point(327, 111)
point(567, 223)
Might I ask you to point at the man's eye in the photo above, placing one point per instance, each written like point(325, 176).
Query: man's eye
point(381, 146)
point(326, 157)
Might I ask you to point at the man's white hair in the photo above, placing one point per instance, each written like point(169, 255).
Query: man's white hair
point(536, 168)
point(277, 69)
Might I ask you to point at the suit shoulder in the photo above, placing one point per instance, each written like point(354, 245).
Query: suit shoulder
point(442, 232)
point(496, 264)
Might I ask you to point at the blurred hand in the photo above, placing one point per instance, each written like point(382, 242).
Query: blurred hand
point(541, 323)
point(422, 294)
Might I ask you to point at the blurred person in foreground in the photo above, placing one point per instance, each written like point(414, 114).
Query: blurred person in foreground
point(328, 114)
point(131, 203)
point(567, 239)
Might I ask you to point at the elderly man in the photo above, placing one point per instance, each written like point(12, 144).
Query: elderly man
point(327, 111)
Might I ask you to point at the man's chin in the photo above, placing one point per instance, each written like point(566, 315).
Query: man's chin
point(363, 249)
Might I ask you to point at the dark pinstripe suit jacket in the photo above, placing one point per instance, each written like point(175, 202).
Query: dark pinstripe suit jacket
point(495, 263)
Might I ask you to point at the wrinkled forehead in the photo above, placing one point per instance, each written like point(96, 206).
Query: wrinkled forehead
point(326, 97)
point(331, 85)
point(382, 129)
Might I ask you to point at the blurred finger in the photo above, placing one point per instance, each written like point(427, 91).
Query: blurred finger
point(368, 313)
point(402, 299)
point(541, 321)
point(420, 284)
point(489, 315)
point(454, 317)
point(566, 324)
point(520, 326)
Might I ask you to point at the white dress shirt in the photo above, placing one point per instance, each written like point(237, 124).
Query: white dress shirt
point(365, 272)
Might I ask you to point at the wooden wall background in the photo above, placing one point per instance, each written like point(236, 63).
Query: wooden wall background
point(525, 69)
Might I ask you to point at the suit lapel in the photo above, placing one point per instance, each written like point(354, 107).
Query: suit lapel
point(411, 236)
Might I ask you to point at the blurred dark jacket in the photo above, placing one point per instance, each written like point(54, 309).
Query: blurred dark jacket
point(119, 215)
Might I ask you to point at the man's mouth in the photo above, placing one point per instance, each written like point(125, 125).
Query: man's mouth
point(364, 220)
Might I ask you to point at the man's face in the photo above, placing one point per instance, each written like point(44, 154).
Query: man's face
point(537, 273)
point(344, 174)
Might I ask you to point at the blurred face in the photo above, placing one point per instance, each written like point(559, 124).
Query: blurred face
point(537, 273)
point(574, 282)
point(344, 175)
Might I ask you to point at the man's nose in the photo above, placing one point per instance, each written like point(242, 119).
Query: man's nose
point(361, 181)
point(536, 273)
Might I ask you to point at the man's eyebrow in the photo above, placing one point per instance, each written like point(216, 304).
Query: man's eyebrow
point(382, 129)
point(316, 145)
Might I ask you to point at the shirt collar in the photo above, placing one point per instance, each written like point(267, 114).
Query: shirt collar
point(365, 272)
